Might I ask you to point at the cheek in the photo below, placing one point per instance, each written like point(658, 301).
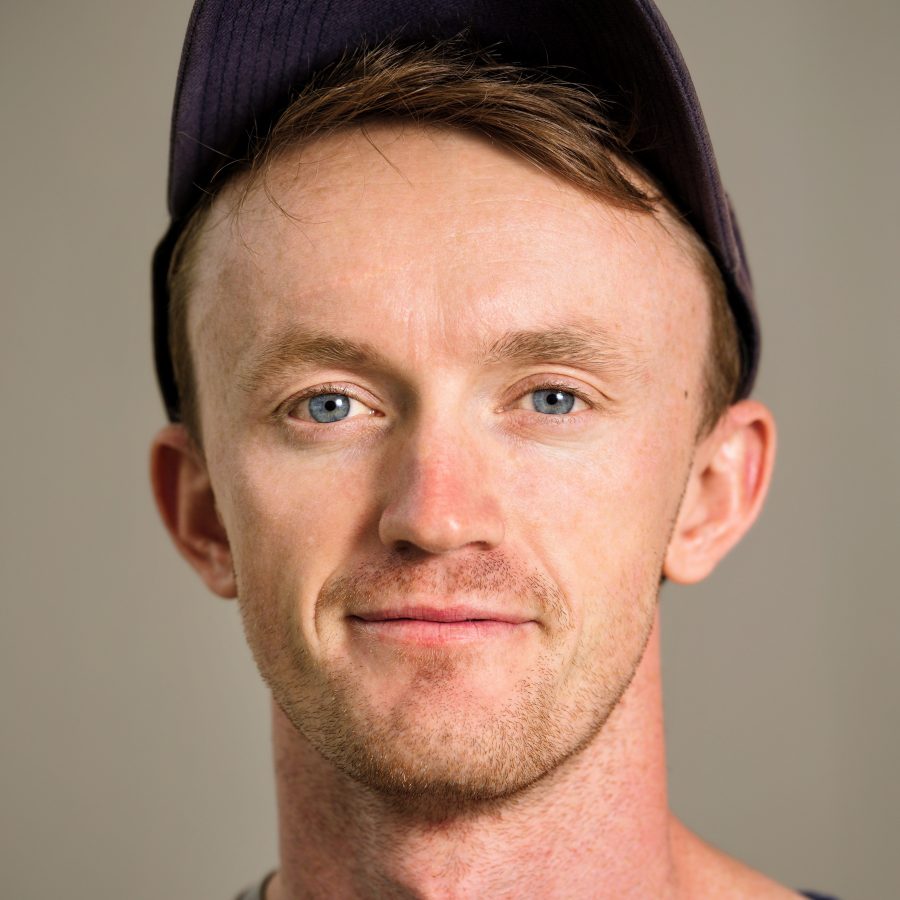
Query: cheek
point(617, 500)
point(291, 500)
point(291, 521)
point(601, 518)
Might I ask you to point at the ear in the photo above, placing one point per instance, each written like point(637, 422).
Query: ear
point(185, 499)
point(726, 487)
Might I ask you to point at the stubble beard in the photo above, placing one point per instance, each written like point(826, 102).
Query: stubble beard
point(443, 762)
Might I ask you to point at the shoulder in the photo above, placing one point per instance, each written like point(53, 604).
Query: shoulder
point(704, 871)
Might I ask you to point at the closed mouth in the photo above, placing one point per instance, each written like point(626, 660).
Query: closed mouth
point(438, 625)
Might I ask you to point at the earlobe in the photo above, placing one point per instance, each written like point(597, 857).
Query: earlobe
point(725, 491)
point(187, 505)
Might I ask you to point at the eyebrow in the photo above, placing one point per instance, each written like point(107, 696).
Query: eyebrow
point(584, 346)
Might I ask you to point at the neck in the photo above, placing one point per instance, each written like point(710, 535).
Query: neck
point(597, 826)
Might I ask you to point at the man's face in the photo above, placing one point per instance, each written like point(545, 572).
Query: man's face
point(448, 408)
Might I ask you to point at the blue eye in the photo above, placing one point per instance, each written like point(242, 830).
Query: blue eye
point(332, 406)
point(325, 408)
point(553, 401)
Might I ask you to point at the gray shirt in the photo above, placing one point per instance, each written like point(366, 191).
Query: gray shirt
point(257, 891)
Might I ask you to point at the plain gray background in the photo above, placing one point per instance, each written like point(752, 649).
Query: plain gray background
point(135, 746)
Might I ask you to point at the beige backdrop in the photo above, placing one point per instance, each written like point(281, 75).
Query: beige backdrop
point(135, 730)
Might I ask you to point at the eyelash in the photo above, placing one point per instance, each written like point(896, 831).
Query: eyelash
point(284, 410)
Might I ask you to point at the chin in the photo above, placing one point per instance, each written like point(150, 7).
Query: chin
point(438, 759)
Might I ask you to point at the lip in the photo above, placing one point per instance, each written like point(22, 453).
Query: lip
point(434, 626)
point(442, 614)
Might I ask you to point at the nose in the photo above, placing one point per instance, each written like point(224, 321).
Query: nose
point(439, 497)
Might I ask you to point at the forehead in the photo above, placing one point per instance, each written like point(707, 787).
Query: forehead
point(419, 239)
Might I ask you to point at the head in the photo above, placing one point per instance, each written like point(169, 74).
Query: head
point(447, 359)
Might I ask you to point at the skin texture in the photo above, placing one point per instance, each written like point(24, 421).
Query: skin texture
point(522, 756)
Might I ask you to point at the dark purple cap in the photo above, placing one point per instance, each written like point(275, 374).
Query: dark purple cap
point(243, 59)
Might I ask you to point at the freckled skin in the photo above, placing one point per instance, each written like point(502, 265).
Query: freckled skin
point(455, 487)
